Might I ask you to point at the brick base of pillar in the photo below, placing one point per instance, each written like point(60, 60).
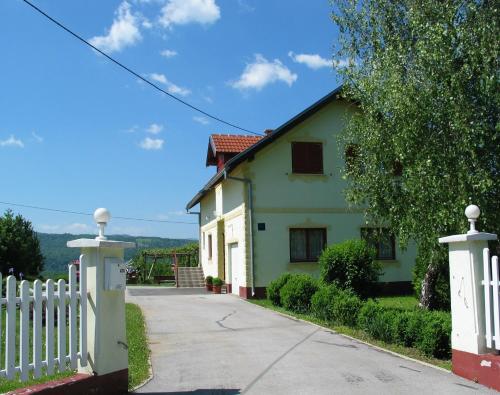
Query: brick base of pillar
point(483, 369)
point(115, 383)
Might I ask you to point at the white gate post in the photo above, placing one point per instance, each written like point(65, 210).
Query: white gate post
point(106, 334)
point(468, 339)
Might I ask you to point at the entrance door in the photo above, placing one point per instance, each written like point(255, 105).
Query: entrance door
point(234, 265)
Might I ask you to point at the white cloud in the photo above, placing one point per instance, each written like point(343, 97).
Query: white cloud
point(183, 12)
point(123, 32)
point(78, 227)
point(12, 142)
point(39, 139)
point(171, 87)
point(263, 72)
point(313, 61)
point(75, 227)
point(202, 120)
point(154, 128)
point(168, 53)
point(151, 144)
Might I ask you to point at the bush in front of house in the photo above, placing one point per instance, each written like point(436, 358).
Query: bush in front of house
point(345, 308)
point(274, 288)
point(351, 264)
point(296, 294)
point(321, 301)
point(435, 336)
point(209, 280)
point(429, 331)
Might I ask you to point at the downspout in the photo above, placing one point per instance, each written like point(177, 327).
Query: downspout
point(198, 213)
point(250, 220)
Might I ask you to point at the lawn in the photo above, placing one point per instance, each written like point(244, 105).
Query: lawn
point(138, 350)
point(138, 354)
point(404, 302)
point(399, 302)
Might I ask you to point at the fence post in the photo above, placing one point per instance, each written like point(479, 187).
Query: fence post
point(106, 336)
point(468, 340)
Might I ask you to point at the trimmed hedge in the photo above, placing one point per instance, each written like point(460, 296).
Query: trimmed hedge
point(429, 331)
point(321, 302)
point(274, 288)
point(330, 303)
point(296, 294)
point(351, 265)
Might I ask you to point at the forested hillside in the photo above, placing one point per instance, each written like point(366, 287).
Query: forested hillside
point(57, 255)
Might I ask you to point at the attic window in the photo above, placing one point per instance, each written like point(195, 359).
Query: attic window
point(307, 158)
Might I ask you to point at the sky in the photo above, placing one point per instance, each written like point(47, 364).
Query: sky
point(77, 132)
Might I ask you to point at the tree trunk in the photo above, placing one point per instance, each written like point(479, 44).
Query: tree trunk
point(427, 294)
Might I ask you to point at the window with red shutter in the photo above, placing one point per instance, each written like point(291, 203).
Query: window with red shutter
point(307, 158)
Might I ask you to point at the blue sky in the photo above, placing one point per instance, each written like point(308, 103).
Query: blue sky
point(77, 133)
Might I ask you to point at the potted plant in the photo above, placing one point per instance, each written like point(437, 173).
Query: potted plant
point(208, 282)
point(217, 285)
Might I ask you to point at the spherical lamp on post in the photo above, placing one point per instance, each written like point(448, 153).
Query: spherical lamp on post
point(472, 213)
point(101, 217)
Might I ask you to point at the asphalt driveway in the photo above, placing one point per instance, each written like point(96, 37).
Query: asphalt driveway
point(218, 344)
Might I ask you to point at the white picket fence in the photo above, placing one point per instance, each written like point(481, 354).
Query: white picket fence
point(47, 298)
point(491, 299)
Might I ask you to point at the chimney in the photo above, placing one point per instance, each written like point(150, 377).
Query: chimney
point(268, 131)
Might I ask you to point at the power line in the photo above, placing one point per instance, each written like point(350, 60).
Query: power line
point(90, 214)
point(135, 74)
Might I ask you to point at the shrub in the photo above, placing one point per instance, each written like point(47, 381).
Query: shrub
point(377, 321)
point(274, 288)
point(345, 307)
point(321, 301)
point(435, 339)
point(217, 282)
point(351, 265)
point(209, 280)
point(296, 294)
point(408, 327)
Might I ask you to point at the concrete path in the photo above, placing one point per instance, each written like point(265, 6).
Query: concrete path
point(218, 344)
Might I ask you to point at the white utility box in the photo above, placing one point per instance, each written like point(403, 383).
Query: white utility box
point(115, 274)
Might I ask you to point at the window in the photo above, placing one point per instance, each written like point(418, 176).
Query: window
point(352, 160)
point(382, 240)
point(209, 246)
point(307, 158)
point(306, 245)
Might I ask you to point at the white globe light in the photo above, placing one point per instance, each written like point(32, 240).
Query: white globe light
point(472, 212)
point(102, 215)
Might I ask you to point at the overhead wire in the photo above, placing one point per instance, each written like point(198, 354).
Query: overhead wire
point(136, 74)
point(91, 214)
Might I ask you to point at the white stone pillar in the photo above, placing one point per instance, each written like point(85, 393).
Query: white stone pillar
point(106, 333)
point(466, 289)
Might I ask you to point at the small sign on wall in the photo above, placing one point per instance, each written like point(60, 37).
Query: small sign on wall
point(261, 226)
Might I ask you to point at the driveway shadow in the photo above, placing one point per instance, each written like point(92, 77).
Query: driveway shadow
point(200, 391)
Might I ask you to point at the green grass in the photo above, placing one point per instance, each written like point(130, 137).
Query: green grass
point(359, 334)
point(138, 353)
point(138, 350)
point(399, 302)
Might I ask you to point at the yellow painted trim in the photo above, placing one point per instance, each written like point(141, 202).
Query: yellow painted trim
point(234, 213)
point(308, 210)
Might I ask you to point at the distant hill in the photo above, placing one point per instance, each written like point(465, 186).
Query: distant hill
point(57, 255)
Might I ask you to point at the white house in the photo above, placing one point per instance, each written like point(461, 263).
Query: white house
point(277, 201)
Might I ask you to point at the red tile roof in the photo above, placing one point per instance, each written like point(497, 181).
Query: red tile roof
point(232, 143)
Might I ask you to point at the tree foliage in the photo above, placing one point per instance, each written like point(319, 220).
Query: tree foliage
point(425, 76)
point(19, 246)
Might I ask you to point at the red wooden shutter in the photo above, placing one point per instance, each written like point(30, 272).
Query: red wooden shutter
point(307, 158)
